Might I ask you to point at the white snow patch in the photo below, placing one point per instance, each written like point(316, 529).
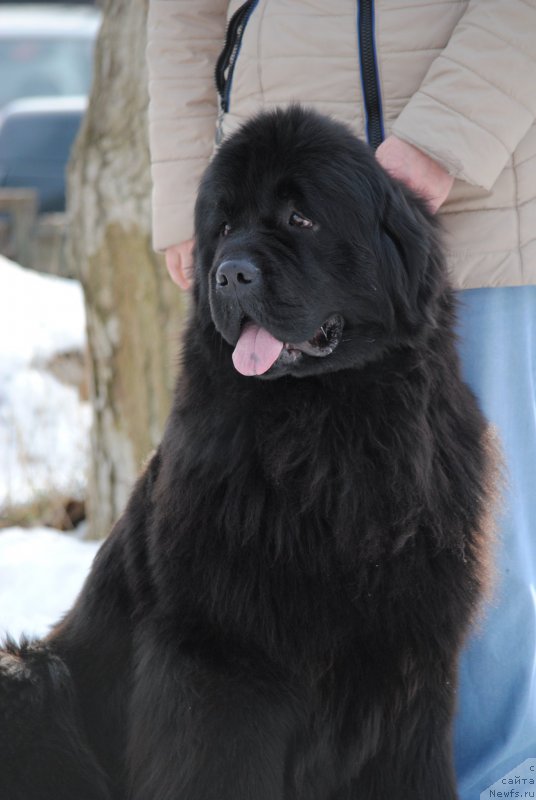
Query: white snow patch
point(39, 315)
point(44, 426)
point(41, 573)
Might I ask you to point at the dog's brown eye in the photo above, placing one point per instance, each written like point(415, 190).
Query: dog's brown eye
point(225, 229)
point(298, 221)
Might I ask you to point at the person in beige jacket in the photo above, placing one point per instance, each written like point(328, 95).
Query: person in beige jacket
point(445, 91)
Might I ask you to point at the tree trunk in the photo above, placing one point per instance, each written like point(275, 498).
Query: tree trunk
point(133, 309)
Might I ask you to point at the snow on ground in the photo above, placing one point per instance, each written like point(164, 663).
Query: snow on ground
point(44, 427)
point(44, 443)
point(41, 573)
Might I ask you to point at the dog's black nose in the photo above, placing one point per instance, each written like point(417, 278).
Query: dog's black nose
point(239, 273)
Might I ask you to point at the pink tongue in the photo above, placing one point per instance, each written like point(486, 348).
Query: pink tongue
point(256, 350)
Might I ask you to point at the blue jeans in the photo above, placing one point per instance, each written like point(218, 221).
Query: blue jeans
point(496, 721)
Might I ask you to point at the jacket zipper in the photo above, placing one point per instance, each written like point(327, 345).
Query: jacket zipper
point(226, 61)
point(367, 56)
point(369, 73)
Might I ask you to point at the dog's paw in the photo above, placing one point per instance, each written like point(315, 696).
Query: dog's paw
point(13, 667)
point(28, 672)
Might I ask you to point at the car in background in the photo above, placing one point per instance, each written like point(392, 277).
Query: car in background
point(46, 50)
point(46, 67)
point(36, 137)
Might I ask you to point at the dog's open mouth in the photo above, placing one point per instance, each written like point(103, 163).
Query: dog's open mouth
point(257, 350)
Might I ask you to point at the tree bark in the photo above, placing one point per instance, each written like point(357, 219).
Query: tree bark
point(133, 310)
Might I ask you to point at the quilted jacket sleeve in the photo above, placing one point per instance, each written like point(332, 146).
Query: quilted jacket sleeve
point(478, 98)
point(184, 38)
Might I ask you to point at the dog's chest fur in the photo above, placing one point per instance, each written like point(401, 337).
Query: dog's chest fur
point(327, 532)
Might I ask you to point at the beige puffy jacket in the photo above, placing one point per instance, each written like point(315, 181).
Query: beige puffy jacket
point(455, 78)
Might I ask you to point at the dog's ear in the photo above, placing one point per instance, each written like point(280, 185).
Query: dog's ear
point(411, 260)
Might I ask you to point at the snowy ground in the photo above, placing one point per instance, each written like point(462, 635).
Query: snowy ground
point(44, 436)
point(43, 424)
point(41, 572)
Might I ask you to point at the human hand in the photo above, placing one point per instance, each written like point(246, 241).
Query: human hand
point(417, 170)
point(180, 263)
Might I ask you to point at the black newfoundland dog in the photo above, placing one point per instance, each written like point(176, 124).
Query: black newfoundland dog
point(279, 612)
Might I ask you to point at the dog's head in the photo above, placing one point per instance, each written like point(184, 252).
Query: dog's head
point(309, 257)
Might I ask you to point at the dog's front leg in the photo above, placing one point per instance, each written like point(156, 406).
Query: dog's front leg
point(416, 761)
point(207, 723)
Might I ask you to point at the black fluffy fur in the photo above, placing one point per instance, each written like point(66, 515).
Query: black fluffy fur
point(279, 612)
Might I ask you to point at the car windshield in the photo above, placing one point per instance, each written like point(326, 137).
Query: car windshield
point(32, 67)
